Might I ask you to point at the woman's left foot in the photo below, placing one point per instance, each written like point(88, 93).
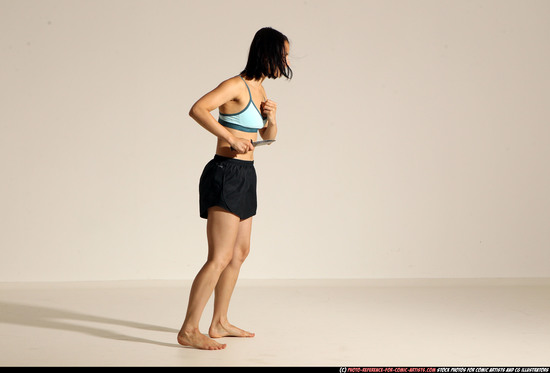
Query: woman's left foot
point(218, 330)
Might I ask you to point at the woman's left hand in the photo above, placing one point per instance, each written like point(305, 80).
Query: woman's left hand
point(269, 111)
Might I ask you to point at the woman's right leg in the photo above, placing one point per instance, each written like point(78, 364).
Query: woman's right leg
point(221, 229)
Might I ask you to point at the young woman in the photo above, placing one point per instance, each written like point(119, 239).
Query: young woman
point(227, 185)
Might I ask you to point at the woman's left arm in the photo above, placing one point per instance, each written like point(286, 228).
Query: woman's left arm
point(269, 109)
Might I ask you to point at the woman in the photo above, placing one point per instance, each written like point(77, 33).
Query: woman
point(228, 183)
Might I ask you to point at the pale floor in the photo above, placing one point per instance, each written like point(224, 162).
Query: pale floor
point(297, 323)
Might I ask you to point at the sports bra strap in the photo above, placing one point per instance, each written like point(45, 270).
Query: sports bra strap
point(249, 94)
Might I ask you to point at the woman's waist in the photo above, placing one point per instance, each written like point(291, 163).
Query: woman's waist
point(224, 149)
point(232, 154)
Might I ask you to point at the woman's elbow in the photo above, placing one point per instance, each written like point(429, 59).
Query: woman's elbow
point(193, 111)
point(198, 111)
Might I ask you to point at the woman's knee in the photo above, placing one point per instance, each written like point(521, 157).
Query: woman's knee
point(220, 262)
point(240, 254)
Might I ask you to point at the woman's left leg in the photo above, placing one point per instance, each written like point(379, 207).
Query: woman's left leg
point(220, 326)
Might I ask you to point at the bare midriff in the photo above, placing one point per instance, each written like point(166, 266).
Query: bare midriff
point(223, 148)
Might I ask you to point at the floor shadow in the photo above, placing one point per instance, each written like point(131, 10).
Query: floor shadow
point(53, 318)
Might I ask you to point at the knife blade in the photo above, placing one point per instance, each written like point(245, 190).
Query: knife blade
point(262, 142)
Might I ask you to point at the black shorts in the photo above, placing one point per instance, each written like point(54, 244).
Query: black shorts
point(228, 183)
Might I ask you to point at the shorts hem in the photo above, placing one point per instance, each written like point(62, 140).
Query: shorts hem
point(204, 215)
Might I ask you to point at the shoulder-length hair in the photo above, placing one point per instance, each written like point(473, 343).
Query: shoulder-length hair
point(267, 56)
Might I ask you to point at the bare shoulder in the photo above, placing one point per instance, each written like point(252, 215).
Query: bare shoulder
point(232, 89)
point(234, 83)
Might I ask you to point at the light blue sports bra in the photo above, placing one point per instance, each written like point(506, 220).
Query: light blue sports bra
point(248, 120)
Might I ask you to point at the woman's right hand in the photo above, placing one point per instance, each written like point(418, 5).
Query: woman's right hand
point(241, 145)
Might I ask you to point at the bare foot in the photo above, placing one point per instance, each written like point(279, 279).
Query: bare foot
point(196, 339)
point(218, 330)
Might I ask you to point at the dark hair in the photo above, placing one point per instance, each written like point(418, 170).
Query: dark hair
point(267, 56)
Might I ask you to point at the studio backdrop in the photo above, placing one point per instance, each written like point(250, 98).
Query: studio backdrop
point(413, 141)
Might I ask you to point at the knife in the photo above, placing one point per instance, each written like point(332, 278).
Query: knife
point(259, 143)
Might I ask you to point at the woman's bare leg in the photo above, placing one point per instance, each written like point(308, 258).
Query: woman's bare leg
point(220, 326)
point(222, 229)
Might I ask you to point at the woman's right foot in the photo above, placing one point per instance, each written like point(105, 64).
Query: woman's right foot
point(196, 339)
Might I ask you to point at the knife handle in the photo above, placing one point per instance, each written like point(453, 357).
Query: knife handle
point(232, 149)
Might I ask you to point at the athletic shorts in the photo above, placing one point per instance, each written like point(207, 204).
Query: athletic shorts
point(230, 184)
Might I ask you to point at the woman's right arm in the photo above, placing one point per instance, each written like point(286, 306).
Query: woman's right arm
point(200, 112)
